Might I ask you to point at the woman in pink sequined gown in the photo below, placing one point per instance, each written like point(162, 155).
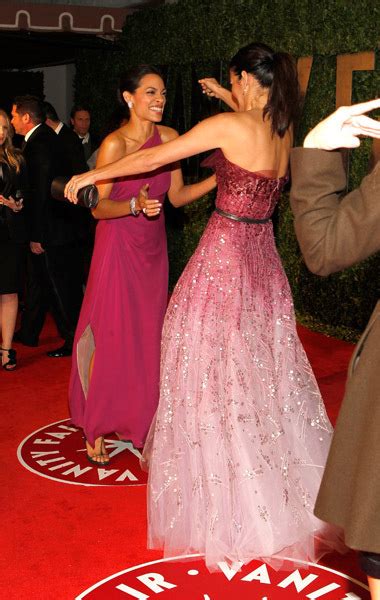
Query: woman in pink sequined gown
point(114, 384)
point(240, 438)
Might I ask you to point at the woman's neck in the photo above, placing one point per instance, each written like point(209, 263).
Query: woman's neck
point(139, 130)
point(256, 103)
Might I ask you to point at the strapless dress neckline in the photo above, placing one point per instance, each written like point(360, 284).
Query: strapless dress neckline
point(258, 174)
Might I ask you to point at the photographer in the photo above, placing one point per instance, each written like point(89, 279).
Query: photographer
point(334, 233)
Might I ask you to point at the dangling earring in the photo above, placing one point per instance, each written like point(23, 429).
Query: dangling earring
point(130, 104)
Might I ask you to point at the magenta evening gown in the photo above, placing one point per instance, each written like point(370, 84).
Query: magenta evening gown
point(241, 436)
point(121, 317)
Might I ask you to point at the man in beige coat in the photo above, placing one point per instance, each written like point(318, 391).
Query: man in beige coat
point(336, 232)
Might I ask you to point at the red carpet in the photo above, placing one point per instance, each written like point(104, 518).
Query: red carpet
point(58, 538)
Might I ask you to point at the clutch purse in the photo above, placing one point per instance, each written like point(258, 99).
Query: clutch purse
point(88, 196)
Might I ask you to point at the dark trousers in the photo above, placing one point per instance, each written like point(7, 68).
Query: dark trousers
point(54, 282)
point(370, 563)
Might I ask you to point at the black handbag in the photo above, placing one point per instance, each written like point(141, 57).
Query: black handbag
point(88, 196)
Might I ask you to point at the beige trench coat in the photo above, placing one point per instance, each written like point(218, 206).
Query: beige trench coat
point(335, 232)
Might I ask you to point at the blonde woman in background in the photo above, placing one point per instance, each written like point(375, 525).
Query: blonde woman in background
point(13, 237)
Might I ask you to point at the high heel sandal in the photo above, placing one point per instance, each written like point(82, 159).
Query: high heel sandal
point(12, 360)
point(92, 459)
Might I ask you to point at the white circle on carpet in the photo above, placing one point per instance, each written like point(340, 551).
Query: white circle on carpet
point(57, 451)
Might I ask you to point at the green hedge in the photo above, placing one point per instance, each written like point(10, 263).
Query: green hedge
point(193, 30)
point(196, 38)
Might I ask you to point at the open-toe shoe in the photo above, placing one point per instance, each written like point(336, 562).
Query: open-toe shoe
point(11, 364)
point(99, 459)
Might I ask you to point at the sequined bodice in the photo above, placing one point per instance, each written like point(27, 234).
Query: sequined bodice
point(244, 193)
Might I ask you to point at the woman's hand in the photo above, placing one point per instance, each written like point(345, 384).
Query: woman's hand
point(76, 183)
point(15, 205)
point(211, 87)
point(150, 208)
point(36, 248)
point(343, 128)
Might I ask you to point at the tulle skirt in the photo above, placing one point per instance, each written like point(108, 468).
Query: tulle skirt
point(240, 439)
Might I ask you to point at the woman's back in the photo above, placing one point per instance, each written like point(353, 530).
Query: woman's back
point(251, 145)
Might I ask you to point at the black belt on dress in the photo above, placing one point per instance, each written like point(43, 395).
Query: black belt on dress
point(240, 219)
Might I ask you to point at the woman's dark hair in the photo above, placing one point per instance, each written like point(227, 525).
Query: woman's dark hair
point(277, 72)
point(130, 80)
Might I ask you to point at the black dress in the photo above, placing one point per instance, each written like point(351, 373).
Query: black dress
point(13, 229)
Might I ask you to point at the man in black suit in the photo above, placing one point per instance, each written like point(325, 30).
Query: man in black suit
point(56, 232)
point(75, 156)
point(72, 146)
point(81, 121)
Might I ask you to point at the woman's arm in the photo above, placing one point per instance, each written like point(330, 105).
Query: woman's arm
point(207, 135)
point(18, 188)
point(213, 89)
point(112, 149)
point(180, 194)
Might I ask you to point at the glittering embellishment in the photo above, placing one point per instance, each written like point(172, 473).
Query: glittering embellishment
point(241, 434)
point(263, 512)
point(250, 474)
point(237, 526)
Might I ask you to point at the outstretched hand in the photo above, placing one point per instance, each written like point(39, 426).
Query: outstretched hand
point(343, 128)
point(210, 86)
point(150, 208)
point(76, 183)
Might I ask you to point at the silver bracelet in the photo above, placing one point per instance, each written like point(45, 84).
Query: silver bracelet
point(132, 205)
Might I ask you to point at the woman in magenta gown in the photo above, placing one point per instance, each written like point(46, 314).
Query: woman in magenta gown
point(114, 385)
point(240, 438)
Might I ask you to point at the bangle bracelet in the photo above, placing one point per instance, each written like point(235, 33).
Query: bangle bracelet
point(132, 205)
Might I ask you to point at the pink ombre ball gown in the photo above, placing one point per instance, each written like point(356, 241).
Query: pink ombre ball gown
point(241, 435)
point(121, 318)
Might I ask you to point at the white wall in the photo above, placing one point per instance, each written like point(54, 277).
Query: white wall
point(58, 88)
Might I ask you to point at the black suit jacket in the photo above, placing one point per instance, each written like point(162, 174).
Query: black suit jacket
point(73, 149)
point(52, 223)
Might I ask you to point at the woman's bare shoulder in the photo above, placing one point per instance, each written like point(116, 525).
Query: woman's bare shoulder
point(167, 134)
point(114, 146)
point(220, 121)
point(114, 139)
point(119, 141)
